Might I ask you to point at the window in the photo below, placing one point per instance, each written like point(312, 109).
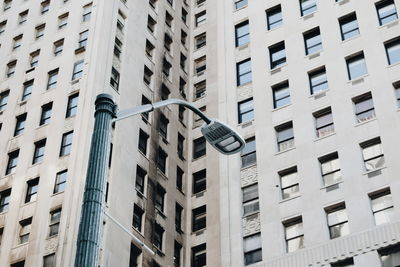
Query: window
point(200, 18)
point(199, 181)
point(182, 89)
point(240, 3)
point(5, 200)
point(163, 128)
point(179, 179)
point(393, 51)
point(149, 48)
point(356, 66)
point(330, 169)
point(312, 41)
point(34, 58)
point(17, 41)
point(344, 263)
point(18, 264)
point(243, 72)
point(27, 92)
point(396, 86)
point(11, 68)
point(324, 122)
point(199, 147)
point(78, 70)
point(242, 35)
point(40, 31)
point(62, 20)
point(66, 144)
point(151, 23)
point(38, 155)
point(140, 179)
point(386, 11)
point(199, 255)
point(308, 6)
point(52, 79)
point(54, 225)
point(274, 17)
point(134, 256)
point(177, 254)
point(200, 40)
point(382, 206)
point(158, 236)
point(199, 218)
point(390, 255)
point(199, 89)
point(45, 5)
point(23, 16)
point(285, 136)
point(147, 75)
point(145, 101)
point(183, 37)
point(349, 26)
point(58, 47)
point(46, 113)
point(197, 120)
point(199, 2)
point(166, 67)
point(318, 81)
point(1, 234)
point(289, 183)
point(143, 137)
point(20, 125)
point(168, 19)
point(31, 192)
point(83, 37)
point(162, 160)
point(200, 65)
point(178, 217)
point(87, 12)
point(7, 4)
point(114, 78)
point(167, 42)
point(24, 230)
point(248, 154)
point(118, 47)
point(180, 146)
point(364, 107)
point(252, 249)
point(3, 26)
point(61, 180)
point(72, 106)
point(4, 99)
point(337, 220)
point(294, 235)
point(165, 92)
point(12, 162)
point(246, 110)
point(183, 61)
point(250, 199)
point(137, 217)
point(373, 154)
point(277, 55)
point(49, 260)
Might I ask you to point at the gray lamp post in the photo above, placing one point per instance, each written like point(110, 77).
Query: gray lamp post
point(222, 137)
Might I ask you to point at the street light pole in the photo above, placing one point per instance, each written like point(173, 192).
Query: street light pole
point(90, 226)
point(222, 137)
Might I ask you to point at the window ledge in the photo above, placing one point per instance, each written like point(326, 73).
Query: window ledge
point(351, 38)
point(199, 232)
point(365, 122)
point(243, 85)
point(358, 79)
point(308, 16)
point(314, 55)
point(23, 102)
point(75, 81)
point(393, 65)
point(325, 136)
point(140, 194)
point(284, 151)
point(201, 157)
point(248, 167)
point(390, 24)
point(246, 124)
point(144, 155)
point(250, 214)
point(327, 186)
point(162, 214)
point(138, 232)
point(201, 97)
point(270, 30)
point(284, 106)
point(277, 69)
point(319, 94)
point(374, 170)
point(342, 2)
point(242, 47)
point(158, 251)
point(288, 199)
point(199, 194)
point(28, 203)
point(162, 174)
point(30, 70)
point(80, 50)
point(56, 194)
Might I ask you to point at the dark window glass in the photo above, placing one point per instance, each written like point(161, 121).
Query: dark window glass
point(46, 113)
point(159, 198)
point(179, 179)
point(140, 179)
point(199, 181)
point(31, 192)
point(39, 151)
point(20, 124)
point(158, 236)
point(137, 217)
point(134, 255)
point(143, 137)
point(199, 147)
point(178, 217)
point(72, 106)
point(285, 136)
point(12, 162)
point(5, 200)
point(66, 144)
point(199, 255)
point(162, 160)
point(199, 218)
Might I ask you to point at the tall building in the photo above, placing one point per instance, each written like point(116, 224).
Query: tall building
point(312, 85)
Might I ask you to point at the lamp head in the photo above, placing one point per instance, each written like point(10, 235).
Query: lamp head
point(222, 137)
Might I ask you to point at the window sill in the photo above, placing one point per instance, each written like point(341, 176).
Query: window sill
point(342, 2)
point(158, 251)
point(23, 244)
point(314, 55)
point(288, 199)
point(58, 193)
point(162, 214)
point(365, 122)
point(243, 85)
point(27, 203)
point(325, 136)
point(351, 38)
point(251, 214)
point(199, 194)
point(358, 80)
point(201, 97)
point(393, 65)
point(80, 50)
point(162, 174)
point(74, 81)
point(390, 24)
point(140, 194)
point(138, 232)
point(375, 170)
point(23, 102)
point(199, 232)
point(248, 167)
point(319, 94)
point(284, 151)
point(144, 155)
point(242, 47)
point(180, 190)
point(308, 16)
point(282, 107)
point(30, 70)
point(331, 185)
point(277, 69)
point(201, 157)
point(246, 123)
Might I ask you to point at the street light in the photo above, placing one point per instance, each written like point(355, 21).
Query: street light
point(222, 137)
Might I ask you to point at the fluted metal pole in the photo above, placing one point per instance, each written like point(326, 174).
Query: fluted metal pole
point(90, 226)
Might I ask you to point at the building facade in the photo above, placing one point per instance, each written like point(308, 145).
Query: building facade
point(313, 86)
